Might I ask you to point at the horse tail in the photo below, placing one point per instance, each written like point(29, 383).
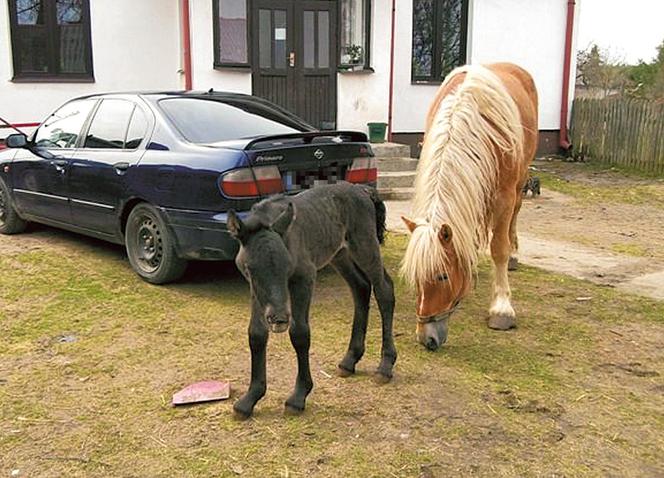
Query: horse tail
point(381, 214)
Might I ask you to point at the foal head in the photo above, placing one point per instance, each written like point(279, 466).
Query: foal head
point(441, 287)
point(266, 264)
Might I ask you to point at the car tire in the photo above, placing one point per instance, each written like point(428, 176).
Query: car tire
point(151, 246)
point(10, 222)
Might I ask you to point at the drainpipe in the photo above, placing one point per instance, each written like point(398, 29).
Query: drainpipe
point(391, 93)
point(563, 139)
point(186, 45)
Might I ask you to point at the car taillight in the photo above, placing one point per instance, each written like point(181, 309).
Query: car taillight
point(363, 170)
point(248, 182)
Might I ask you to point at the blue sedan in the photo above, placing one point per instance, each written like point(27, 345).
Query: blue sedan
point(158, 172)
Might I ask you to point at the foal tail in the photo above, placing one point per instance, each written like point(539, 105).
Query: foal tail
point(379, 207)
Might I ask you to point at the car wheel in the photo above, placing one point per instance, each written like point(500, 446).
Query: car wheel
point(10, 222)
point(150, 246)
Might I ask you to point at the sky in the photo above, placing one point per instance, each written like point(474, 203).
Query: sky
point(629, 29)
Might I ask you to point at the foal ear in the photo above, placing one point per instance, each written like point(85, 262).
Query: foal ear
point(445, 234)
point(409, 224)
point(235, 225)
point(283, 222)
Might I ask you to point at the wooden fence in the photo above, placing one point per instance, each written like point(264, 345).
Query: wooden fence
point(623, 132)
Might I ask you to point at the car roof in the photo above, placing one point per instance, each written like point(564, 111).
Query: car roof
point(182, 93)
point(210, 94)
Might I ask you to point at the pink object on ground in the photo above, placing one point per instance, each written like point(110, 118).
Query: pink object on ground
point(202, 392)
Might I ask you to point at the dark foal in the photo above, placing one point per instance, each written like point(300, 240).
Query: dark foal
point(284, 242)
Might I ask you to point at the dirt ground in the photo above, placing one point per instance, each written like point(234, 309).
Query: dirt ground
point(91, 356)
point(591, 223)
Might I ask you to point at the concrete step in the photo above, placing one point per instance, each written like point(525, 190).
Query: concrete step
point(397, 164)
point(396, 194)
point(390, 150)
point(396, 179)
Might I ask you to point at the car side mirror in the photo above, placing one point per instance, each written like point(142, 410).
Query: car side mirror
point(18, 140)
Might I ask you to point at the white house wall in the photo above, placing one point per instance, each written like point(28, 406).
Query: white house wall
point(526, 32)
point(531, 34)
point(204, 76)
point(363, 97)
point(135, 46)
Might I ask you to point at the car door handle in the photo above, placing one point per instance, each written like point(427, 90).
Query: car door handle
point(60, 164)
point(121, 168)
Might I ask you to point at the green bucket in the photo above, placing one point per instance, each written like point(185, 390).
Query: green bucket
point(377, 132)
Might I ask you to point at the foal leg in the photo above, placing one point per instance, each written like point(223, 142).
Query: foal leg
point(501, 313)
point(361, 289)
point(365, 252)
point(258, 335)
point(301, 289)
point(513, 263)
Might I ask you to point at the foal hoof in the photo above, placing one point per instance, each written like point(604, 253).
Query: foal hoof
point(241, 411)
point(381, 379)
point(513, 264)
point(502, 322)
point(241, 415)
point(293, 410)
point(344, 372)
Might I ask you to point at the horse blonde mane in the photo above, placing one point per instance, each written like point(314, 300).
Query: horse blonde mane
point(477, 126)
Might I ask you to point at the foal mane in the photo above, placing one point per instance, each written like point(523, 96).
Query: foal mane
point(475, 131)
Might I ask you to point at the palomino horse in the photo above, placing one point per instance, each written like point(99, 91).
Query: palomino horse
point(284, 241)
point(481, 135)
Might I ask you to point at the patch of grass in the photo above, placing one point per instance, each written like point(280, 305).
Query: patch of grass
point(488, 403)
point(594, 182)
point(635, 250)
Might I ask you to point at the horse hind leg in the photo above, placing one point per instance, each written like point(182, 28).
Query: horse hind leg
point(501, 313)
point(365, 252)
point(361, 290)
point(513, 262)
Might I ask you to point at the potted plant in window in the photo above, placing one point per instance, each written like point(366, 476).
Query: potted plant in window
point(354, 53)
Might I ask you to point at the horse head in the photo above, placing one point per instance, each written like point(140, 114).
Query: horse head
point(439, 294)
point(264, 261)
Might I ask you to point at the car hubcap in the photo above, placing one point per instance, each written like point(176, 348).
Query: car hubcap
point(149, 245)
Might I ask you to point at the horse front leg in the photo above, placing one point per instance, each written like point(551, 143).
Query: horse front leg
point(501, 313)
point(301, 289)
point(258, 335)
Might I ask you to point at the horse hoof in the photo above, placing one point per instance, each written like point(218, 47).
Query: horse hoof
point(241, 412)
point(513, 264)
point(293, 410)
point(381, 379)
point(241, 416)
point(502, 322)
point(344, 372)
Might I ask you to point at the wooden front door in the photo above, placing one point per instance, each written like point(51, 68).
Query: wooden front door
point(294, 44)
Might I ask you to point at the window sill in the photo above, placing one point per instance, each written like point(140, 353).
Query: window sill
point(52, 79)
point(426, 82)
point(232, 67)
point(355, 70)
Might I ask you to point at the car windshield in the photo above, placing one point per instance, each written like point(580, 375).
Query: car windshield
point(209, 120)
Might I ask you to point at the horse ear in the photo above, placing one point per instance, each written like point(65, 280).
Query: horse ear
point(283, 222)
point(409, 224)
point(445, 234)
point(235, 225)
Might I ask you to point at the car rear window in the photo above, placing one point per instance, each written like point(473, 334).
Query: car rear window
point(206, 121)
